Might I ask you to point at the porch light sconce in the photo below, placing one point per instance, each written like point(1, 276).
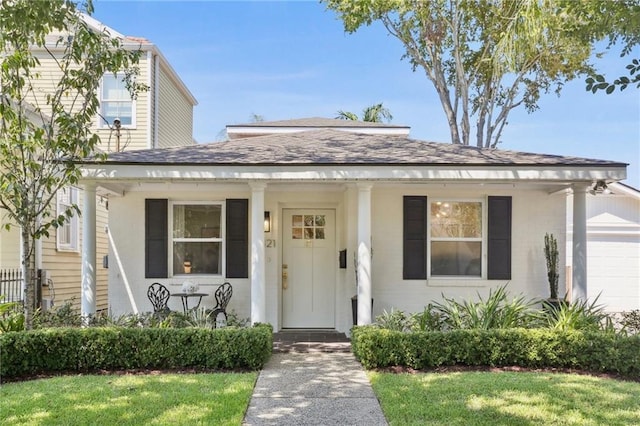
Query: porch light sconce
point(267, 221)
point(600, 187)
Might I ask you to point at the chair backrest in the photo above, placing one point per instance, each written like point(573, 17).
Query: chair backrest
point(223, 295)
point(158, 296)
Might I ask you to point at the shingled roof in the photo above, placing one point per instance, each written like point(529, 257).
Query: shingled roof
point(334, 147)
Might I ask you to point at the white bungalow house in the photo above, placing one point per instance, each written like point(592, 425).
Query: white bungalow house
point(290, 213)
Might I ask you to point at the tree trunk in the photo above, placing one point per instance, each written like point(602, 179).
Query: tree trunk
point(29, 277)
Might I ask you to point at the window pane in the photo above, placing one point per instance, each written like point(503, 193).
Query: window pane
point(197, 258)
point(456, 219)
point(456, 258)
point(121, 110)
point(196, 221)
point(296, 220)
point(64, 234)
point(114, 88)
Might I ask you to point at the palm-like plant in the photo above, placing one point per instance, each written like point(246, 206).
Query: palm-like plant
point(376, 113)
point(497, 311)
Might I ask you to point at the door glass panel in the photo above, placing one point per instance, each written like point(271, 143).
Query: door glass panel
point(308, 227)
point(297, 233)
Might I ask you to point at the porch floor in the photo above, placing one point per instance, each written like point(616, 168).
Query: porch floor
point(310, 340)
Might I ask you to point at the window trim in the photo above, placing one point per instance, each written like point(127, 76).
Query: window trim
point(483, 239)
point(101, 122)
point(73, 246)
point(221, 239)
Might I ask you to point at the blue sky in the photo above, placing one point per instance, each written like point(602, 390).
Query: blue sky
point(292, 59)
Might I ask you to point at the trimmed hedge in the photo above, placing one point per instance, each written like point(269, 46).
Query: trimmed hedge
point(591, 351)
point(96, 348)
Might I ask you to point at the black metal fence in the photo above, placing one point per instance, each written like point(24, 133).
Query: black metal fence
point(10, 285)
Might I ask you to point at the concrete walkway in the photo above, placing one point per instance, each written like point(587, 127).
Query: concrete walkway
point(313, 388)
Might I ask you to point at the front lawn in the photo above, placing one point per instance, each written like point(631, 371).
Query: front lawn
point(505, 398)
point(176, 399)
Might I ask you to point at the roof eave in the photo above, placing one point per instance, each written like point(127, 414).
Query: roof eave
point(343, 172)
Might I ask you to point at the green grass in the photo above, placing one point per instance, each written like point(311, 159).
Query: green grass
point(506, 398)
point(164, 399)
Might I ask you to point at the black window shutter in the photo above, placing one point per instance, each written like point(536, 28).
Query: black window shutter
point(155, 238)
point(237, 238)
point(414, 235)
point(499, 240)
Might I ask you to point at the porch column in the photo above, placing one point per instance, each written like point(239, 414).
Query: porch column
point(364, 254)
point(258, 284)
point(88, 297)
point(579, 266)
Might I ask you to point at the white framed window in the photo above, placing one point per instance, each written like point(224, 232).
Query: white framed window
point(456, 238)
point(196, 238)
point(67, 235)
point(116, 102)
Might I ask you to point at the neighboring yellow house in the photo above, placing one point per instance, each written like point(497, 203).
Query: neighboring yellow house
point(160, 117)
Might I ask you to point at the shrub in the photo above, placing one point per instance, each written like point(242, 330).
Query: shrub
point(580, 315)
point(64, 315)
point(497, 311)
point(395, 320)
point(97, 348)
point(427, 320)
point(533, 348)
point(630, 322)
point(11, 316)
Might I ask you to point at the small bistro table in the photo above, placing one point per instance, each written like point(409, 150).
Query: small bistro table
point(185, 299)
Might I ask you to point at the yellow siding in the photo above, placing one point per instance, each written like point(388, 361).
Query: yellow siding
point(64, 267)
point(9, 248)
point(131, 138)
point(175, 115)
point(174, 127)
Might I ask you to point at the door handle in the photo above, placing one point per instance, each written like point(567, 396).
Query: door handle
point(285, 277)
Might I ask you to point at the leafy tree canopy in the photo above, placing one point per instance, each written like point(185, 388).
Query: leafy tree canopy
point(488, 57)
point(47, 113)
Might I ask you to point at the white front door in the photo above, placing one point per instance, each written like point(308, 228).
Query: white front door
point(308, 268)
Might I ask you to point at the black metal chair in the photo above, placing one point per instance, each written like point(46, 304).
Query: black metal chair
point(222, 295)
point(159, 297)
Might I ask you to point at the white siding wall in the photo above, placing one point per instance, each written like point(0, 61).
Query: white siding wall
point(534, 214)
point(613, 251)
point(127, 257)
